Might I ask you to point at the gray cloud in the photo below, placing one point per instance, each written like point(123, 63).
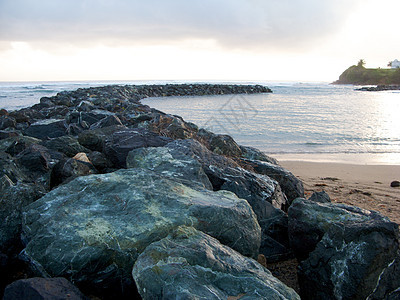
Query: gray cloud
point(232, 23)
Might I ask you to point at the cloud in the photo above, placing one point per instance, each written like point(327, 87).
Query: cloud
point(231, 23)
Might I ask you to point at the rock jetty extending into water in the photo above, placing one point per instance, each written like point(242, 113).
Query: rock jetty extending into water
point(125, 201)
point(379, 88)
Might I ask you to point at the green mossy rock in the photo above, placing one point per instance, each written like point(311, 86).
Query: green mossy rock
point(189, 264)
point(92, 229)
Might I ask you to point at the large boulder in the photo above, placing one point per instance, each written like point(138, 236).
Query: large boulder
point(189, 264)
point(13, 198)
point(38, 159)
point(388, 285)
point(16, 144)
point(66, 144)
point(172, 126)
point(170, 163)
point(92, 229)
point(47, 128)
point(263, 193)
point(219, 143)
point(255, 154)
point(11, 169)
point(343, 250)
point(43, 289)
point(290, 184)
point(68, 169)
point(118, 145)
point(94, 139)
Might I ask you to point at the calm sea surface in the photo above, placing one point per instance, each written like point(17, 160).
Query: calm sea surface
point(298, 121)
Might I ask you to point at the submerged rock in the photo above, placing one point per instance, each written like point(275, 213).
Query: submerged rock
point(92, 229)
point(343, 250)
point(189, 264)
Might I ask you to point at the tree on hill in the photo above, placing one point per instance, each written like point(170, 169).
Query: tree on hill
point(361, 63)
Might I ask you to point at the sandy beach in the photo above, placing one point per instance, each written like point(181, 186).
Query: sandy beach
point(365, 186)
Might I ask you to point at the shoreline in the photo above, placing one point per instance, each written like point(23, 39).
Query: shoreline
point(365, 186)
point(390, 159)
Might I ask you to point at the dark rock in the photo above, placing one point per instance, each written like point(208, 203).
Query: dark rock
point(189, 264)
point(92, 229)
point(45, 129)
point(65, 144)
point(9, 168)
point(255, 154)
point(106, 122)
point(26, 115)
point(263, 194)
point(290, 184)
point(171, 126)
point(219, 143)
point(226, 174)
point(100, 161)
point(94, 139)
point(16, 145)
point(118, 145)
point(395, 183)
point(275, 244)
point(55, 112)
point(68, 169)
point(43, 289)
point(7, 122)
point(13, 197)
point(35, 158)
point(388, 285)
point(321, 197)
point(4, 134)
point(170, 163)
point(343, 249)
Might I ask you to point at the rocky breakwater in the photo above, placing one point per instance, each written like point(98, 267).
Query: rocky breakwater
point(123, 200)
point(379, 88)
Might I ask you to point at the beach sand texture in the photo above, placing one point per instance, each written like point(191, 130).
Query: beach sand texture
point(365, 186)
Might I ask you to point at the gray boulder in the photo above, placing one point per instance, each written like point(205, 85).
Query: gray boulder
point(92, 229)
point(189, 264)
point(43, 289)
point(343, 249)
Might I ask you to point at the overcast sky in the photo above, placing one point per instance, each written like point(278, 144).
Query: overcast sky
point(180, 39)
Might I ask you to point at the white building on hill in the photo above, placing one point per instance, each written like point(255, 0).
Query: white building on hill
point(395, 64)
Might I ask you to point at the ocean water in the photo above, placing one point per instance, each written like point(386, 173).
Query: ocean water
point(298, 121)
